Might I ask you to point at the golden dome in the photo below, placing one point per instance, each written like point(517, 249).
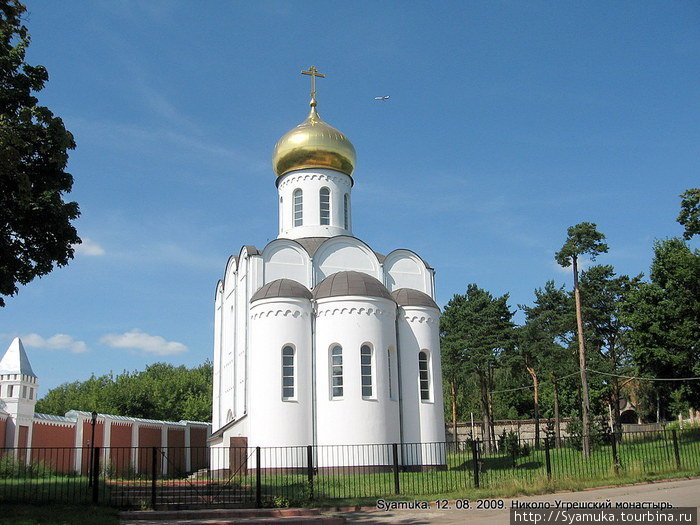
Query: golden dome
point(313, 144)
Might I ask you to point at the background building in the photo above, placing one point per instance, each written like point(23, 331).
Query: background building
point(64, 442)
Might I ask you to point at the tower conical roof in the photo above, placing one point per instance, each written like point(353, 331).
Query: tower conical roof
point(15, 360)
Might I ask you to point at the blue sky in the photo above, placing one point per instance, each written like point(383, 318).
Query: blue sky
point(507, 123)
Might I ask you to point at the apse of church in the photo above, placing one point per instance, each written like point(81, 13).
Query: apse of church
point(318, 336)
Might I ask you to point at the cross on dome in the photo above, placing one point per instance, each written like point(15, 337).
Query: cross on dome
point(313, 72)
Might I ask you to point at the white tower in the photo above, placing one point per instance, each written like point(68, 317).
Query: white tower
point(314, 164)
point(18, 390)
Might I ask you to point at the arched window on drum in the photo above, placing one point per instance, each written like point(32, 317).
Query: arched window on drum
point(424, 375)
point(298, 208)
point(336, 371)
point(288, 383)
point(325, 206)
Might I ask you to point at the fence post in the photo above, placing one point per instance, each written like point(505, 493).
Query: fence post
point(676, 452)
point(310, 469)
point(154, 475)
point(395, 453)
point(95, 473)
point(547, 457)
point(616, 458)
point(258, 488)
point(475, 462)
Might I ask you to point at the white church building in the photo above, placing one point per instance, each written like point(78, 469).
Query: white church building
point(319, 339)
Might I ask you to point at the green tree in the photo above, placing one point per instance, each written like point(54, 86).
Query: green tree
point(550, 323)
point(603, 295)
point(689, 217)
point(582, 239)
point(664, 316)
point(162, 391)
point(475, 330)
point(35, 223)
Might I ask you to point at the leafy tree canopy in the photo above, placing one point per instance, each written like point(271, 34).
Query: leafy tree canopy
point(664, 316)
point(475, 328)
point(689, 217)
point(581, 238)
point(162, 391)
point(35, 223)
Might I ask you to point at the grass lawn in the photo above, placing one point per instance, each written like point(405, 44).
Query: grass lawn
point(57, 515)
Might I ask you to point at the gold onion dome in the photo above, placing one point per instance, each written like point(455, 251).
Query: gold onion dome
point(313, 144)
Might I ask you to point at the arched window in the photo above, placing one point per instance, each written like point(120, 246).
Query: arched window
point(337, 371)
point(298, 207)
point(366, 370)
point(346, 211)
point(424, 375)
point(325, 200)
point(287, 372)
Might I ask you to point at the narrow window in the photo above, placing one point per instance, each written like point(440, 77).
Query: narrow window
point(298, 208)
point(346, 211)
point(424, 376)
point(366, 370)
point(24, 392)
point(337, 371)
point(325, 199)
point(10, 389)
point(31, 393)
point(287, 372)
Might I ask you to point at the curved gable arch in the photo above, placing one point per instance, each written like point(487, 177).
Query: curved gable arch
point(230, 272)
point(405, 269)
point(218, 293)
point(286, 259)
point(342, 253)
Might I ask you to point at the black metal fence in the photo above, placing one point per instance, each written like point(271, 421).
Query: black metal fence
point(180, 477)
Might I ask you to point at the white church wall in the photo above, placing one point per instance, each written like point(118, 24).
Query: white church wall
point(241, 334)
point(228, 348)
point(285, 259)
point(351, 418)
point(345, 253)
point(276, 420)
point(310, 181)
point(423, 419)
point(404, 269)
point(216, 376)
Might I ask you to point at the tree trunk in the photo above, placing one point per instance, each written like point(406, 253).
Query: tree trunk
point(615, 405)
point(585, 405)
point(453, 395)
point(557, 419)
point(492, 419)
point(485, 414)
point(536, 388)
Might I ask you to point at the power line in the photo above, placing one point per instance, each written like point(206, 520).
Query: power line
point(645, 378)
point(529, 386)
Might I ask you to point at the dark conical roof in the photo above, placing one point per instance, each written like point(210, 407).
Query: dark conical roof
point(411, 297)
point(351, 283)
point(282, 288)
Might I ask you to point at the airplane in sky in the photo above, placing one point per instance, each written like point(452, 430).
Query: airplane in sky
point(385, 97)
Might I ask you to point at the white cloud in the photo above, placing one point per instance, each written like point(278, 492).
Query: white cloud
point(55, 342)
point(89, 247)
point(138, 340)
